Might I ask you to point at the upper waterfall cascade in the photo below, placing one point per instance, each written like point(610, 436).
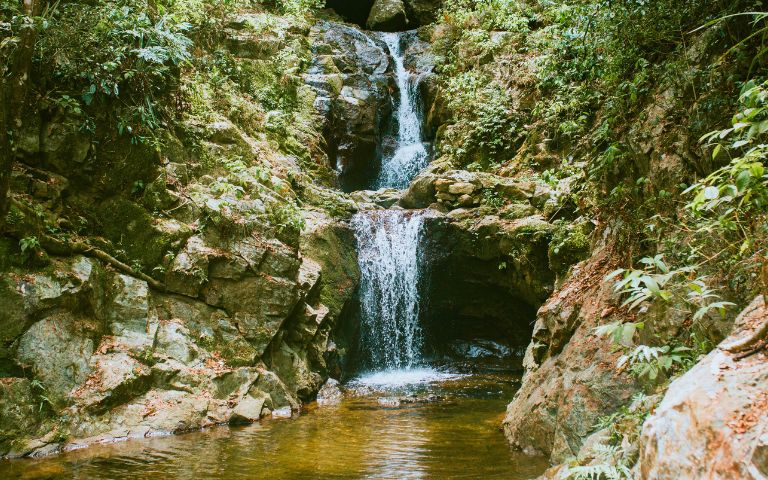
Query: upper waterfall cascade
point(410, 155)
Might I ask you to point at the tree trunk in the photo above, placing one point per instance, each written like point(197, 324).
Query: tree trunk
point(14, 94)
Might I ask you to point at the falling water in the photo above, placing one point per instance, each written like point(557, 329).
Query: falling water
point(410, 155)
point(388, 250)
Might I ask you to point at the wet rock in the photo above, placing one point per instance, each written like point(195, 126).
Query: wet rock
point(283, 412)
point(279, 395)
point(388, 16)
point(388, 401)
point(487, 277)
point(407, 400)
point(330, 394)
point(249, 409)
point(350, 74)
point(711, 422)
point(481, 349)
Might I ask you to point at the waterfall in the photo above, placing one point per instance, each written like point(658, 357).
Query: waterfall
point(389, 251)
point(410, 154)
point(389, 257)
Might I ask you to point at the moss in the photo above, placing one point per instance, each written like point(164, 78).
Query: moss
point(570, 245)
point(141, 237)
point(333, 247)
point(10, 255)
point(21, 413)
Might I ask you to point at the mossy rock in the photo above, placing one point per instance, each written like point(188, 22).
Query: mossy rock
point(144, 238)
point(570, 244)
point(22, 412)
point(10, 255)
point(332, 245)
point(13, 317)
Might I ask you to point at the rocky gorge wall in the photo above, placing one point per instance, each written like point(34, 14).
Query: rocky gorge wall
point(226, 306)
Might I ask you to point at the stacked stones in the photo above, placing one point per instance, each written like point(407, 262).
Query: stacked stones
point(458, 194)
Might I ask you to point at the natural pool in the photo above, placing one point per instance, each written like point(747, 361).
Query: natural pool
point(454, 436)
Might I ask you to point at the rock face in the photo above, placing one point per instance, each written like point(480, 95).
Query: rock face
point(713, 421)
point(388, 16)
point(570, 378)
point(330, 394)
point(245, 329)
point(351, 76)
point(486, 277)
point(460, 189)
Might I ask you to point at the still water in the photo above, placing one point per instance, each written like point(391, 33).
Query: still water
point(451, 431)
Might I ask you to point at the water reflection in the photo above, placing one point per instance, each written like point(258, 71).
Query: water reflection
point(456, 437)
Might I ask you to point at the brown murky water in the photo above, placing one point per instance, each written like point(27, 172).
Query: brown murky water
point(455, 437)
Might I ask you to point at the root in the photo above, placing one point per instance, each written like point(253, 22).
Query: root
point(750, 341)
point(57, 247)
point(760, 346)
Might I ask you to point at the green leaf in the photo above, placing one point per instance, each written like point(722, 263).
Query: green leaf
point(716, 151)
point(743, 179)
point(711, 193)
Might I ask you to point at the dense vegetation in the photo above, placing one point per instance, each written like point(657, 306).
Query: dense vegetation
point(129, 80)
point(596, 100)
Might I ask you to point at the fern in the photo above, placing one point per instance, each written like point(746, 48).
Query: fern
point(599, 472)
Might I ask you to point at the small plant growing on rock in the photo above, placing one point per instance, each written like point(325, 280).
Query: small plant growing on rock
point(29, 246)
point(658, 281)
point(649, 362)
point(492, 198)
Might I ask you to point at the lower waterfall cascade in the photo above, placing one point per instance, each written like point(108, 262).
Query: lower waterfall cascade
point(388, 252)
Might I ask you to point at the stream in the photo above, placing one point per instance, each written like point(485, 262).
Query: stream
point(453, 434)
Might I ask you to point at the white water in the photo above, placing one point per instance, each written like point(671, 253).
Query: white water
point(411, 154)
point(388, 251)
point(390, 379)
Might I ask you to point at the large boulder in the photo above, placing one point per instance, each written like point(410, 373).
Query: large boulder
point(713, 421)
point(388, 16)
point(422, 12)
